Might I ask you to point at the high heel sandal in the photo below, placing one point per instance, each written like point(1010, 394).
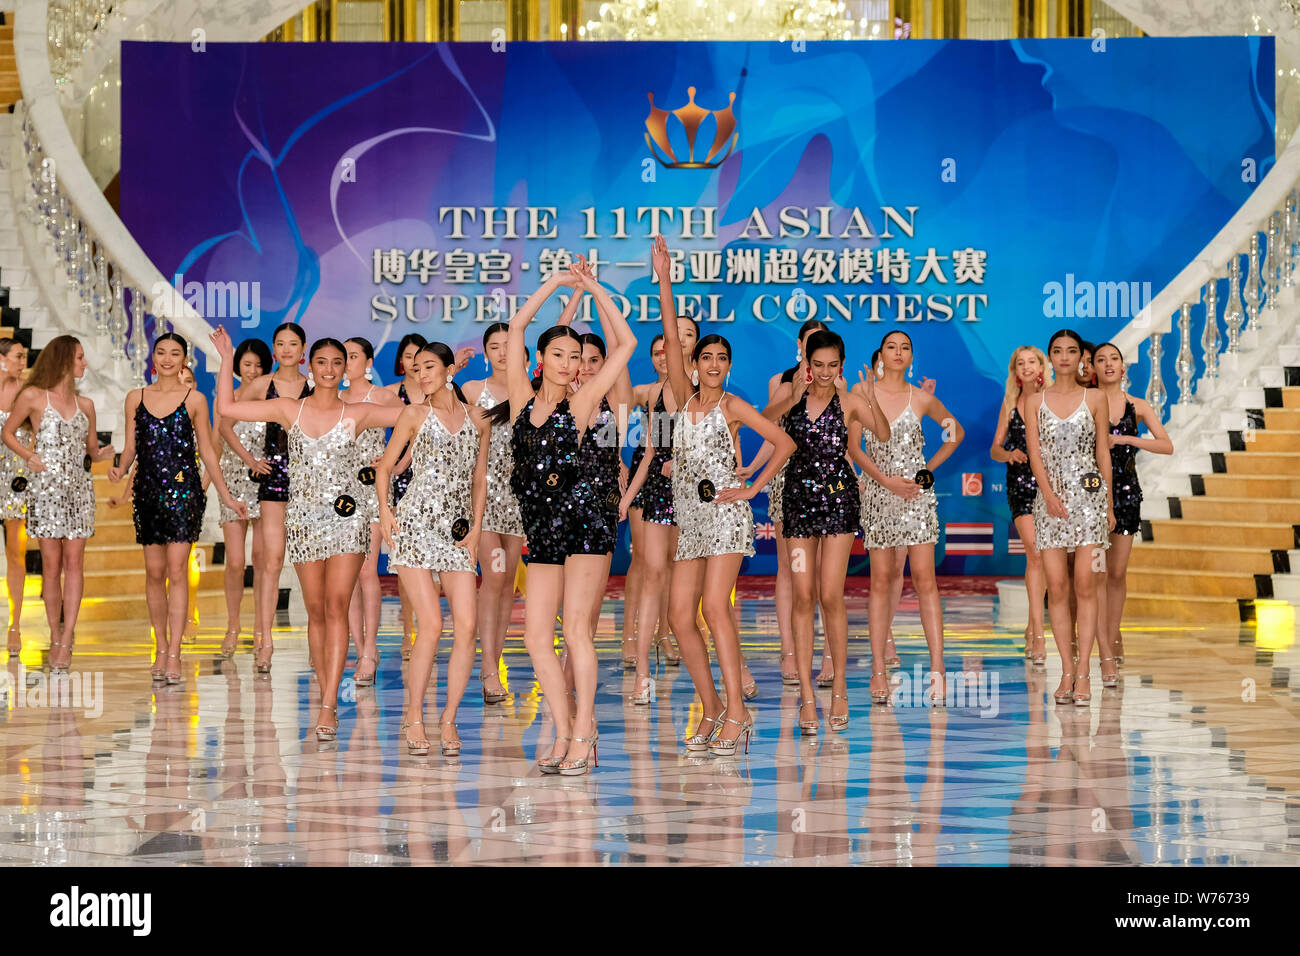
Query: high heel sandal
point(881, 696)
point(158, 671)
point(891, 660)
point(1064, 697)
point(725, 747)
point(408, 641)
point(644, 696)
point(1081, 700)
point(576, 768)
point(1119, 650)
point(57, 668)
point(749, 691)
point(1040, 655)
point(552, 763)
point(416, 748)
point(229, 645)
point(942, 699)
point(628, 662)
point(838, 722)
point(1109, 680)
point(324, 732)
point(493, 696)
point(450, 748)
point(700, 741)
point(789, 679)
point(823, 681)
point(15, 644)
point(260, 664)
point(671, 657)
point(366, 681)
point(174, 676)
point(809, 727)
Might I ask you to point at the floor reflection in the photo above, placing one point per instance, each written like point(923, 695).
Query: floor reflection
point(1194, 759)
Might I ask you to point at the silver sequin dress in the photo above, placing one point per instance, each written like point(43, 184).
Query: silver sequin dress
point(440, 494)
point(889, 521)
point(61, 499)
point(252, 435)
point(704, 450)
point(370, 448)
point(501, 513)
point(324, 516)
point(13, 504)
point(1069, 450)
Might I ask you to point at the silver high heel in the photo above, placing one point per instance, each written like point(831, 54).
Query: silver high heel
point(323, 731)
point(702, 741)
point(838, 722)
point(881, 696)
point(552, 764)
point(366, 681)
point(809, 727)
point(416, 748)
point(260, 665)
point(1040, 658)
point(57, 668)
point(725, 747)
point(576, 768)
point(450, 748)
point(174, 676)
point(1081, 700)
point(1109, 680)
point(643, 696)
point(789, 679)
point(232, 639)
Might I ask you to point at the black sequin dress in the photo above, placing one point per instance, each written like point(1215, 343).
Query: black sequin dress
point(598, 462)
point(1021, 485)
point(1124, 475)
point(274, 485)
point(657, 491)
point(638, 453)
point(167, 494)
point(403, 481)
point(820, 496)
point(559, 520)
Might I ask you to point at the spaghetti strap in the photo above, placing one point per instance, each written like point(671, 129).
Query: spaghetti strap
point(342, 411)
point(301, 403)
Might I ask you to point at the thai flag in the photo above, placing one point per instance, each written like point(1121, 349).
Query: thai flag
point(765, 531)
point(1014, 544)
point(969, 538)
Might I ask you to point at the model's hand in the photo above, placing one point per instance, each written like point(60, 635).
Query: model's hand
point(463, 357)
point(115, 474)
point(1017, 457)
point(905, 488)
point(739, 493)
point(667, 469)
point(387, 526)
point(35, 465)
point(1110, 519)
point(260, 466)
point(221, 341)
point(659, 257)
point(1055, 508)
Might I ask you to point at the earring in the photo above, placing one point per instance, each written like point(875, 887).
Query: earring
point(727, 383)
point(303, 360)
point(346, 383)
point(909, 373)
point(311, 380)
point(798, 355)
point(695, 377)
point(487, 364)
point(1040, 378)
point(880, 370)
point(4, 367)
point(449, 384)
point(369, 374)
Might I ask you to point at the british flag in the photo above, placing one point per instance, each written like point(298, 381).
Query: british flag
point(765, 531)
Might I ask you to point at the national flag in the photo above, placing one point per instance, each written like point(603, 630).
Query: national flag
point(969, 538)
point(1014, 544)
point(765, 530)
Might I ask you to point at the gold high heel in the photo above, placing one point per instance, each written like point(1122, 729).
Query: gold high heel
point(1109, 680)
point(789, 679)
point(1119, 650)
point(229, 645)
point(809, 727)
point(416, 748)
point(724, 747)
point(700, 741)
point(1081, 700)
point(552, 764)
point(881, 696)
point(323, 731)
point(824, 681)
point(366, 681)
point(450, 748)
point(1064, 697)
point(577, 768)
point(838, 722)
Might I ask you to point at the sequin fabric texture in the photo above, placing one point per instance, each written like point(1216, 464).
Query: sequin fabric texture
point(820, 496)
point(1068, 447)
point(705, 450)
point(638, 424)
point(322, 473)
point(657, 491)
point(370, 448)
point(501, 511)
point(403, 481)
point(557, 522)
point(1022, 487)
point(1123, 465)
point(440, 494)
point(274, 485)
point(598, 462)
point(61, 499)
point(13, 504)
point(167, 493)
point(888, 520)
point(252, 435)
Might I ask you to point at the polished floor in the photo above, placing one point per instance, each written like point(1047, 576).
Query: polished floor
point(1194, 759)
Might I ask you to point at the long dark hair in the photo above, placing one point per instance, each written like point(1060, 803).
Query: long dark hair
point(409, 338)
point(447, 357)
point(500, 413)
point(713, 338)
point(811, 325)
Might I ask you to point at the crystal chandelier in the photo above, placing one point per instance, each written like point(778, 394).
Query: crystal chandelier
point(723, 19)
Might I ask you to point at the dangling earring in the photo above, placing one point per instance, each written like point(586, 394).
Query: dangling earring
point(487, 364)
point(1040, 379)
point(880, 370)
point(695, 377)
point(346, 383)
point(369, 375)
point(909, 373)
point(727, 383)
point(4, 367)
point(798, 355)
point(449, 383)
point(311, 379)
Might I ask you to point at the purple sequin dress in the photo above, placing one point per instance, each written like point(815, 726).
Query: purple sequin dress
point(1124, 475)
point(820, 496)
point(598, 462)
point(1022, 486)
point(167, 492)
point(656, 495)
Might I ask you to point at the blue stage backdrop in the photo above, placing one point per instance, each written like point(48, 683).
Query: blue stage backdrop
point(977, 194)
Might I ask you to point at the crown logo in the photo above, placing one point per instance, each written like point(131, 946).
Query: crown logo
point(691, 116)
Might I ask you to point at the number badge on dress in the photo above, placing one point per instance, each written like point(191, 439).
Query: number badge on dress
point(707, 491)
point(459, 529)
point(366, 475)
point(1091, 482)
point(19, 484)
point(345, 506)
point(924, 478)
point(85, 462)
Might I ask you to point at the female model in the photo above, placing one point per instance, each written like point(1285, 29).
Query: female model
point(897, 511)
point(61, 493)
point(240, 467)
point(167, 493)
point(1071, 510)
point(1124, 445)
point(1027, 372)
point(822, 507)
point(408, 392)
point(13, 491)
point(287, 344)
point(436, 529)
point(566, 531)
point(363, 612)
point(328, 534)
point(502, 537)
point(711, 507)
